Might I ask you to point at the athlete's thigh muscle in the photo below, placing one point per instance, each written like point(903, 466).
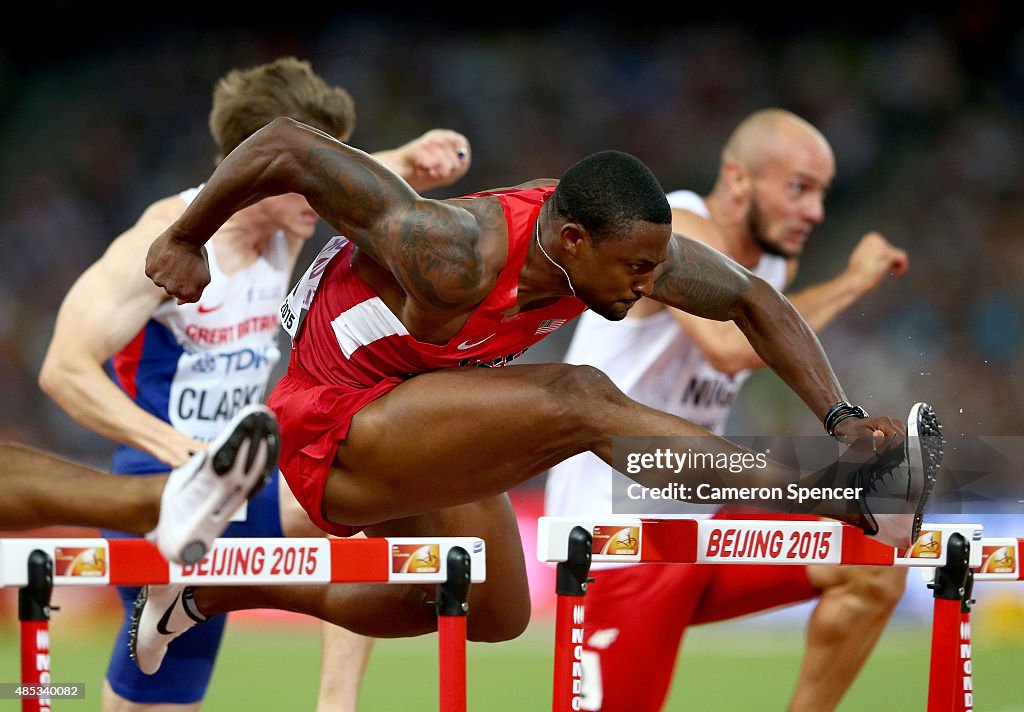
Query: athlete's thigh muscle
point(453, 436)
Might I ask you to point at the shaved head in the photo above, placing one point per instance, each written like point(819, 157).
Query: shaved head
point(770, 134)
point(775, 171)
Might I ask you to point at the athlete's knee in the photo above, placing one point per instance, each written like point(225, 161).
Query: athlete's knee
point(586, 381)
point(568, 401)
point(581, 390)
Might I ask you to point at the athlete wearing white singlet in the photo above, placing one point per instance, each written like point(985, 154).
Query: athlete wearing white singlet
point(196, 365)
point(768, 197)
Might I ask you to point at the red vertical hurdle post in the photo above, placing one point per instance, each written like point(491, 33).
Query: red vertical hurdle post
point(571, 588)
point(452, 608)
point(948, 588)
point(34, 619)
point(965, 665)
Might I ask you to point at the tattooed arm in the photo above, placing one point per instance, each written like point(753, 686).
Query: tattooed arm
point(700, 280)
point(431, 247)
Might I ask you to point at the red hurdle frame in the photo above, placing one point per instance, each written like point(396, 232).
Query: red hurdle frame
point(957, 552)
point(951, 678)
point(35, 566)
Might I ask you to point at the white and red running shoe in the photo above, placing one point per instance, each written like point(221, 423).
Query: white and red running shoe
point(201, 496)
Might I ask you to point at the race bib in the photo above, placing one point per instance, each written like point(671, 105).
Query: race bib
point(296, 304)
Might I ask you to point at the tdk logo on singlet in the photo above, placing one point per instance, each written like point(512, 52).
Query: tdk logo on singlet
point(210, 387)
point(226, 362)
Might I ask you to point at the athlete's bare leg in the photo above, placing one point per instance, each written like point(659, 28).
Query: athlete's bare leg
point(457, 435)
point(344, 655)
point(462, 436)
point(855, 604)
point(452, 442)
point(40, 490)
point(499, 608)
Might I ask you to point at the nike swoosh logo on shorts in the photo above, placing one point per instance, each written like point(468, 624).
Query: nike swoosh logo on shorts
point(161, 625)
point(466, 345)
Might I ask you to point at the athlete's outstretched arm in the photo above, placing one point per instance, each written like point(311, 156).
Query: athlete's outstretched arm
point(431, 247)
point(698, 279)
point(85, 337)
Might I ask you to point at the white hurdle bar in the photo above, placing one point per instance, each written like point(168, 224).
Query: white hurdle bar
point(741, 541)
point(244, 561)
point(36, 565)
point(952, 555)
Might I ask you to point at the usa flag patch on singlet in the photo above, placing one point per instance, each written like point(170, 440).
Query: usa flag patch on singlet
point(549, 325)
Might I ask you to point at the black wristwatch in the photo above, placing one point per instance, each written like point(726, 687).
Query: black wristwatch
point(840, 412)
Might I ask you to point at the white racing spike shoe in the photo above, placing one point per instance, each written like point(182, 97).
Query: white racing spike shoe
point(201, 496)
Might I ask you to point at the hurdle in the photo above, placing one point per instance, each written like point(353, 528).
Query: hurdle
point(36, 565)
point(952, 555)
point(953, 588)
